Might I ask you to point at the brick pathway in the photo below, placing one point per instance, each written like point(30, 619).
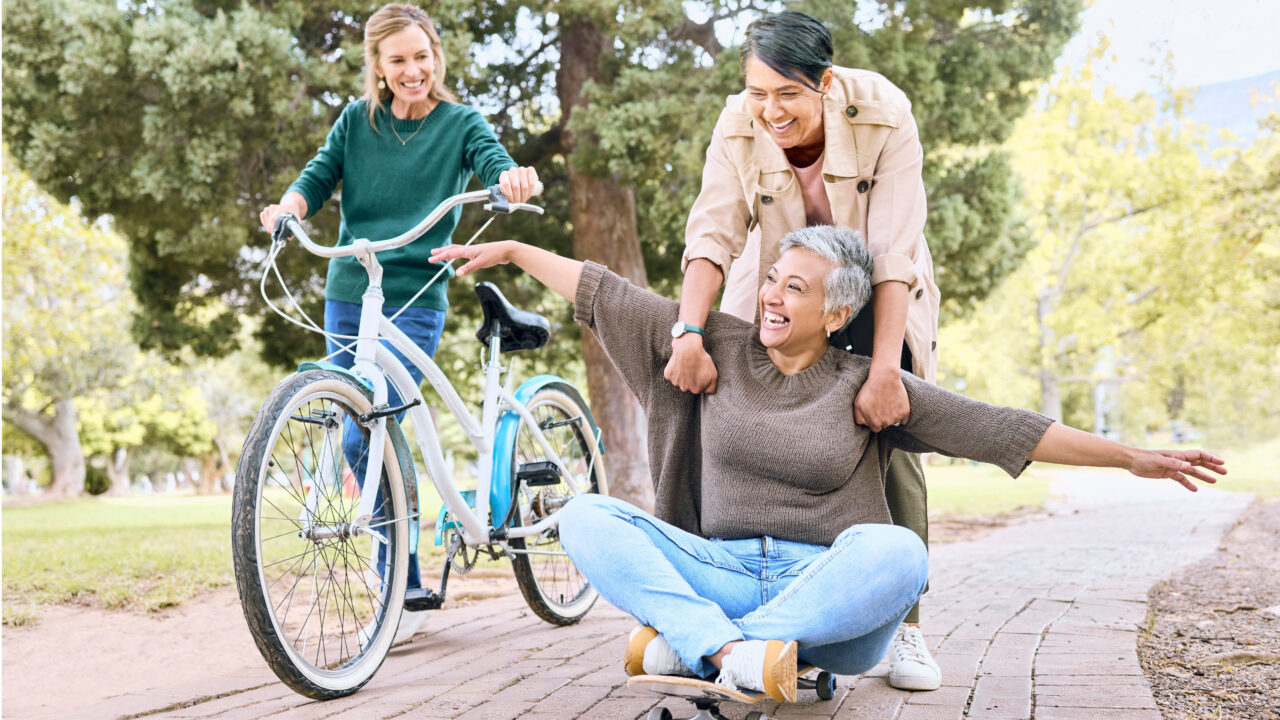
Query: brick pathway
point(1035, 620)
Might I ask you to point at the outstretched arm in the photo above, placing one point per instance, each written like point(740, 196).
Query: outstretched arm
point(1068, 446)
point(557, 273)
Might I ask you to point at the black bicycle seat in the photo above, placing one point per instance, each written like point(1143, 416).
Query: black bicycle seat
point(519, 329)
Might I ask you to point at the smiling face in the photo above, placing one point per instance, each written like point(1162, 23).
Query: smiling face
point(792, 296)
point(406, 62)
point(790, 112)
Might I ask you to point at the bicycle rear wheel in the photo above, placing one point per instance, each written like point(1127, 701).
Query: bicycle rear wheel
point(322, 602)
point(552, 585)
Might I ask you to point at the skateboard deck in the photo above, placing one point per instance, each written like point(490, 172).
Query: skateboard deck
point(706, 696)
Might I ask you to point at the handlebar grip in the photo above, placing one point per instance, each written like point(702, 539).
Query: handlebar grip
point(280, 232)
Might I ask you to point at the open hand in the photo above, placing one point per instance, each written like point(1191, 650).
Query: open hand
point(691, 368)
point(1177, 465)
point(882, 402)
point(478, 257)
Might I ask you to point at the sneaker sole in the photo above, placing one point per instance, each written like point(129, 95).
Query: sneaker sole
point(781, 663)
point(633, 656)
point(914, 683)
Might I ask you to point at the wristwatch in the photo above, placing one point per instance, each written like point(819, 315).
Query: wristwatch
point(681, 328)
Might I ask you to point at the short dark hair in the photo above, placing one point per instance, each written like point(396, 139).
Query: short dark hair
point(795, 45)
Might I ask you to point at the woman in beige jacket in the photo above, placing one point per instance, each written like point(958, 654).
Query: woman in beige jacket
point(807, 143)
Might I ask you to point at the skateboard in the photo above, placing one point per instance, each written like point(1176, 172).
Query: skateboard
point(706, 696)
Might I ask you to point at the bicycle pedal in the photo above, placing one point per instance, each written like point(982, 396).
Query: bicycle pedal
point(543, 472)
point(422, 599)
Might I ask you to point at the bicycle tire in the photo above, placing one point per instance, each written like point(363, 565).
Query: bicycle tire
point(552, 585)
point(279, 561)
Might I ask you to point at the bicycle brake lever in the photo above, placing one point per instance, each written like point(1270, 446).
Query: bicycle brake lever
point(280, 232)
point(498, 202)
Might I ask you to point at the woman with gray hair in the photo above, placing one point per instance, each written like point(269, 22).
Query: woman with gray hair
point(782, 550)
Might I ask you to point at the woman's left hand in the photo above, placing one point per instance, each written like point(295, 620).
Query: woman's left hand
point(519, 183)
point(1177, 465)
point(478, 257)
point(882, 402)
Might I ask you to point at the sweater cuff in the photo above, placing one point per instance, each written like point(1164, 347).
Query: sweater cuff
point(1022, 439)
point(584, 301)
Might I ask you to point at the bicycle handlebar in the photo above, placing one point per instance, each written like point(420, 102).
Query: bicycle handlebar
point(288, 224)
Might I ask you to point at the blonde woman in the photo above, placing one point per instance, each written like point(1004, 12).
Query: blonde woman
point(398, 151)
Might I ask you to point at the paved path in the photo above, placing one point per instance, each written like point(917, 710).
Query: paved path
point(1038, 620)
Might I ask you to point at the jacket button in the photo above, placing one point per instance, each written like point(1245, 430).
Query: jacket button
point(851, 111)
point(863, 186)
point(919, 293)
point(766, 199)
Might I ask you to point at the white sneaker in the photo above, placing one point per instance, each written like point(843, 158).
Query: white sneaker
point(911, 667)
point(648, 653)
point(411, 623)
point(767, 666)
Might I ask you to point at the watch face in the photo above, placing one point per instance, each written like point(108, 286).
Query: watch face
point(677, 330)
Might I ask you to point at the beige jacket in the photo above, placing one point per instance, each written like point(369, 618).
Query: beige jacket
point(750, 198)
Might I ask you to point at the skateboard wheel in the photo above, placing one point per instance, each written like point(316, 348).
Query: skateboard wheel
point(659, 713)
point(826, 685)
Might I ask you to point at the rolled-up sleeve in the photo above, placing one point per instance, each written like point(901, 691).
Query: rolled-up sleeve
point(896, 206)
point(718, 222)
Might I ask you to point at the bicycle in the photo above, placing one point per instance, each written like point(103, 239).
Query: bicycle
point(321, 556)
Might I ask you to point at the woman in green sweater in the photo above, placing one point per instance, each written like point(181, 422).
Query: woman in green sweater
point(771, 540)
point(397, 152)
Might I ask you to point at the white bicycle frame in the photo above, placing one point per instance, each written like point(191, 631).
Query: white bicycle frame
point(376, 364)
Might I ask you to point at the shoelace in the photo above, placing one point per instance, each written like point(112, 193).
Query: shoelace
point(912, 645)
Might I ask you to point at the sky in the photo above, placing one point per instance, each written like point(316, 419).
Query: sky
point(1211, 40)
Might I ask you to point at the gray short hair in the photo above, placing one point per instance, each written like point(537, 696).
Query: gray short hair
point(849, 281)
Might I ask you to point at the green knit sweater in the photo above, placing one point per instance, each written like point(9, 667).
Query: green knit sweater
point(388, 187)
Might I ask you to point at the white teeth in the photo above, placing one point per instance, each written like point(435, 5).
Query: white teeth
point(774, 320)
point(783, 126)
point(412, 84)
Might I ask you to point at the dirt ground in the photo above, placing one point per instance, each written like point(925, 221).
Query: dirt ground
point(1212, 649)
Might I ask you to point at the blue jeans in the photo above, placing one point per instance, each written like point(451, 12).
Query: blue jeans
point(841, 603)
point(423, 326)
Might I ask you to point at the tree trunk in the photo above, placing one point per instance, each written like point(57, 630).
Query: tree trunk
point(15, 471)
point(1050, 392)
point(604, 230)
point(209, 474)
point(188, 470)
point(57, 433)
point(118, 472)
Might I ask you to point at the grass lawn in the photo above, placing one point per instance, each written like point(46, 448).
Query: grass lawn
point(148, 553)
point(966, 490)
point(1255, 470)
point(144, 553)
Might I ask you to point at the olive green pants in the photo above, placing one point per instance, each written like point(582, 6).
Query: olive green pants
point(904, 488)
point(908, 499)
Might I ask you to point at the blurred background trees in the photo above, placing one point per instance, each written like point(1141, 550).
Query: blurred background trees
point(180, 119)
point(1146, 294)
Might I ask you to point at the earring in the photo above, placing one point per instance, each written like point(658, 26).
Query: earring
point(828, 333)
point(382, 84)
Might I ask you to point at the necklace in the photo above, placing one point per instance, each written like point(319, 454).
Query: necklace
point(405, 141)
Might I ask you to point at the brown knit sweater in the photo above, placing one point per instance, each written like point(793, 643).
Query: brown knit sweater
point(774, 454)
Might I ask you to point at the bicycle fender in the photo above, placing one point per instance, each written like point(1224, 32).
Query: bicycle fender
point(405, 457)
point(500, 481)
point(311, 365)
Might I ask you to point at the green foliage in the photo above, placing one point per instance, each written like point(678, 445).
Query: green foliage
point(182, 118)
point(1154, 277)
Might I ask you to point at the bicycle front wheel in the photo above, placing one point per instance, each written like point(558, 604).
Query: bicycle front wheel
point(322, 597)
point(552, 585)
